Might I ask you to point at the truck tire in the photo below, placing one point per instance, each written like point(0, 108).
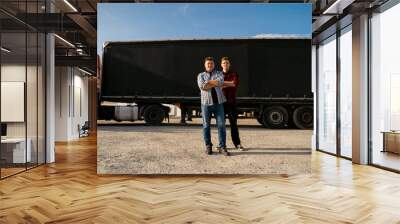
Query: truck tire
point(154, 114)
point(303, 117)
point(275, 117)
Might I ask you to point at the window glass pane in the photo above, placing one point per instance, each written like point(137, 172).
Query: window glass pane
point(327, 95)
point(32, 96)
point(15, 150)
point(385, 88)
point(346, 93)
point(41, 98)
point(22, 87)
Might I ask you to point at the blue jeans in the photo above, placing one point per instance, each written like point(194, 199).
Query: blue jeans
point(218, 111)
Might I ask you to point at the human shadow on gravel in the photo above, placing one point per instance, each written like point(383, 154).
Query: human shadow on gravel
point(272, 151)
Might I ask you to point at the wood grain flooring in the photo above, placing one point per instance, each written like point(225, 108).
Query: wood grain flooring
point(70, 191)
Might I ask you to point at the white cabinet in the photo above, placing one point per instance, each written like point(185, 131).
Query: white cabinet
point(17, 146)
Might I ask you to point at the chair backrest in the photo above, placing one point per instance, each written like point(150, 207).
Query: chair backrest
point(86, 125)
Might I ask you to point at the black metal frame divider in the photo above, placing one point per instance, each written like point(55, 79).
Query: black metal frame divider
point(44, 77)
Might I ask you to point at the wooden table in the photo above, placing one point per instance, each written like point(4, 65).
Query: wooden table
point(391, 141)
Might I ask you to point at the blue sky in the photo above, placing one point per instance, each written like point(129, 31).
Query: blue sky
point(157, 21)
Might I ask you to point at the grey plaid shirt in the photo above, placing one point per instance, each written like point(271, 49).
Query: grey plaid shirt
point(202, 79)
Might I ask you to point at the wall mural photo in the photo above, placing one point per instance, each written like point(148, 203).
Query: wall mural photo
point(204, 88)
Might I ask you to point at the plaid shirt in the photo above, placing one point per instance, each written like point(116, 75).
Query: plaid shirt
point(206, 97)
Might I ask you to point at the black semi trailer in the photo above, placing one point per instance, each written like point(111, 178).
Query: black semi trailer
point(274, 74)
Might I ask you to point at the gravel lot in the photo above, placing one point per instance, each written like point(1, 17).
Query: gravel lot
point(134, 148)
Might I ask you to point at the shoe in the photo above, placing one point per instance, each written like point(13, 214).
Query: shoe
point(240, 147)
point(208, 149)
point(223, 151)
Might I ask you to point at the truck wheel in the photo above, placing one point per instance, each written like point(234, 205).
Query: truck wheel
point(154, 115)
point(275, 117)
point(303, 117)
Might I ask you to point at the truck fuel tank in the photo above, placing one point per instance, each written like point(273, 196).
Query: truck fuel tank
point(126, 113)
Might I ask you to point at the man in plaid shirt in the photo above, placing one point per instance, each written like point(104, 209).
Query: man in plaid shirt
point(212, 102)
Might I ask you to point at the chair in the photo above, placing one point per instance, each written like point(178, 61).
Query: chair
point(84, 130)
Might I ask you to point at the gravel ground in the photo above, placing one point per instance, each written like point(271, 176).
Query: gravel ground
point(179, 149)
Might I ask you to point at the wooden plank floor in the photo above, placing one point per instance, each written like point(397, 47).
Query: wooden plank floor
point(69, 191)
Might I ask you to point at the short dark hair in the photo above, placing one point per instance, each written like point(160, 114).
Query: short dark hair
point(225, 59)
point(208, 59)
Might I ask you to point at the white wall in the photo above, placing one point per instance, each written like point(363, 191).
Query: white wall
point(12, 73)
point(62, 81)
point(71, 102)
point(80, 98)
point(33, 125)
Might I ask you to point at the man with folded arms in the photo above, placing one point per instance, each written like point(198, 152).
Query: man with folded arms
point(229, 88)
point(212, 102)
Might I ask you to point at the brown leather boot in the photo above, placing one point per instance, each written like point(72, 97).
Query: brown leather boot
point(208, 149)
point(224, 151)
